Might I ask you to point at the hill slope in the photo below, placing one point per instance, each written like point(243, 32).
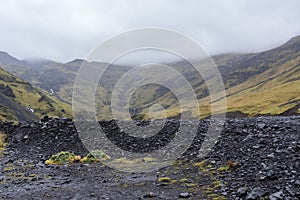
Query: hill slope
point(20, 101)
point(264, 83)
point(273, 90)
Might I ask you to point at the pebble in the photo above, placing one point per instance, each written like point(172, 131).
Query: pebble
point(150, 195)
point(184, 195)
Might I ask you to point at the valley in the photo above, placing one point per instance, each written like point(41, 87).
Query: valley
point(255, 156)
point(273, 75)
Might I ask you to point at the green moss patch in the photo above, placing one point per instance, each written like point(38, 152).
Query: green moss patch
point(62, 157)
point(95, 156)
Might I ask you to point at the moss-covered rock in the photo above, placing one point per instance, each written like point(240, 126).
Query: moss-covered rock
point(62, 157)
point(95, 156)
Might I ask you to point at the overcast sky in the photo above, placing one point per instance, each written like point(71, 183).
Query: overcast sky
point(64, 30)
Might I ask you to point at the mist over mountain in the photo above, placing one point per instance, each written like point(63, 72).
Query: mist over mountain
point(256, 83)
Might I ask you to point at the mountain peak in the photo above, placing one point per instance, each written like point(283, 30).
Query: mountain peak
point(76, 61)
point(293, 40)
point(5, 58)
point(292, 45)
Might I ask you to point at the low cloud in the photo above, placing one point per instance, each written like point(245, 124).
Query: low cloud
point(64, 30)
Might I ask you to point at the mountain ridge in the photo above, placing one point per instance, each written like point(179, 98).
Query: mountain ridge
point(243, 74)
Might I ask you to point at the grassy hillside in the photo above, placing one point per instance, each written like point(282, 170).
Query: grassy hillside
point(18, 97)
point(265, 83)
point(272, 92)
point(7, 114)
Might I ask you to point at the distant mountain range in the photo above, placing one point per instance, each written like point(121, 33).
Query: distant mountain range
point(264, 83)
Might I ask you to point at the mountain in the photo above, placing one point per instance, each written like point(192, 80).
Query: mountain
point(17, 67)
point(274, 89)
point(39, 64)
point(263, 83)
point(5, 58)
point(19, 101)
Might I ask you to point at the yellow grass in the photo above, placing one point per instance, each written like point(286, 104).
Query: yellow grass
point(2, 141)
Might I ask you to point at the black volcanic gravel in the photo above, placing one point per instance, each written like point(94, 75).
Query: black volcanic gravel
point(267, 150)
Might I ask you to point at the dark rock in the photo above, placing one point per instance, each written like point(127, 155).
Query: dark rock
point(297, 183)
point(45, 119)
point(271, 155)
point(7, 91)
point(2, 178)
point(276, 196)
point(271, 175)
point(275, 127)
point(241, 192)
point(256, 193)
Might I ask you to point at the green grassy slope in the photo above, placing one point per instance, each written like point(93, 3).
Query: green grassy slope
point(271, 92)
point(257, 84)
point(17, 96)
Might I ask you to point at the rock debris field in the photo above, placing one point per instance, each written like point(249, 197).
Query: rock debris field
point(254, 158)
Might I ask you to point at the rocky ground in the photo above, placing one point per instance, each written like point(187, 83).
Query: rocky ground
point(255, 158)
